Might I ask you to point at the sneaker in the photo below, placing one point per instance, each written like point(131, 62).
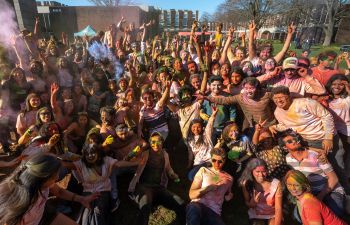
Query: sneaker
point(115, 205)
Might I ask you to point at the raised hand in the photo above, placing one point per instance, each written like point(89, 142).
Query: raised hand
point(54, 139)
point(302, 72)
point(231, 31)
point(260, 125)
point(292, 28)
point(252, 25)
point(54, 88)
point(194, 24)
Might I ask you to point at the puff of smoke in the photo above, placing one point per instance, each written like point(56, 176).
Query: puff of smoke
point(100, 52)
point(8, 23)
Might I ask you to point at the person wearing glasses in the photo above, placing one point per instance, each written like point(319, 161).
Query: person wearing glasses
point(310, 209)
point(313, 164)
point(148, 187)
point(298, 79)
point(314, 123)
point(210, 187)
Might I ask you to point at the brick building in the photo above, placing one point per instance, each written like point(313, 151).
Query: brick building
point(57, 18)
point(25, 11)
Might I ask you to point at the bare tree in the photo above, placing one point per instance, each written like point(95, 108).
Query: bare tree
point(112, 2)
point(336, 10)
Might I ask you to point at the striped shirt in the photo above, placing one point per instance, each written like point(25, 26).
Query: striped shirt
point(258, 108)
point(154, 119)
point(313, 169)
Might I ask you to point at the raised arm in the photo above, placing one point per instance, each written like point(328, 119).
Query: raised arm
point(53, 99)
point(227, 45)
point(291, 31)
point(251, 45)
point(162, 101)
point(119, 25)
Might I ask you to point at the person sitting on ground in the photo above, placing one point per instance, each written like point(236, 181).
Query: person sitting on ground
point(210, 187)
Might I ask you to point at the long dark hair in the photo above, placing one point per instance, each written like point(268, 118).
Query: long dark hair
point(190, 136)
point(247, 180)
point(334, 78)
point(27, 107)
point(22, 188)
point(38, 122)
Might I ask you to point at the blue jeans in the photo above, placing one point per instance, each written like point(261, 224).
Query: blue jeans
point(336, 158)
point(116, 172)
point(199, 214)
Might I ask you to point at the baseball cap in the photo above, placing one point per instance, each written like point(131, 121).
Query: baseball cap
point(290, 63)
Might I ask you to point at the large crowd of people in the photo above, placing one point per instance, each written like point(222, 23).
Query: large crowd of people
point(103, 106)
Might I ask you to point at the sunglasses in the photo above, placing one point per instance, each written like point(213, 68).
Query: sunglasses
point(217, 160)
point(45, 113)
point(290, 141)
point(290, 70)
point(156, 142)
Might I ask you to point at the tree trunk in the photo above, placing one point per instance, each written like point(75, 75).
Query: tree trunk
point(328, 34)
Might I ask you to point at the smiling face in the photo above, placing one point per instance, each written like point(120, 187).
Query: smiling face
point(91, 155)
point(239, 54)
point(192, 69)
point(282, 101)
point(291, 143)
point(156, 143)
point(289, 73)
point(337, 87)
point(236, 78)
point(196, 83)
point(196, 129)
point(45, 116)
point(224, 70)
point(148, 100)
point(294, 187)
point(216, 87)
point(259, 174)
point(217, 162)
point(249, 90)
point(34, 102)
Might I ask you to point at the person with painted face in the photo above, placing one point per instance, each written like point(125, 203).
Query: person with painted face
point(255, 103)
point(235, 85)
point(188, 110)
point(266, 50)
point(313, 163)
point(76, 132)
point(324, 70)
point(150, 182)
point(48, 140)
point(93, 171)
point(27, 118)
point(44, 115)
point(313, 122)
point(299, 81)
point(108, 116)
point(29, 187)
point(120, 148)
point(199, 144)
point(36, 82)
point(265, 147)
point(309, 210)
point(339, 105)
point(240, 147)
point(152, 114)
point(227, 113)
point(210, 187)
point(262, 195)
